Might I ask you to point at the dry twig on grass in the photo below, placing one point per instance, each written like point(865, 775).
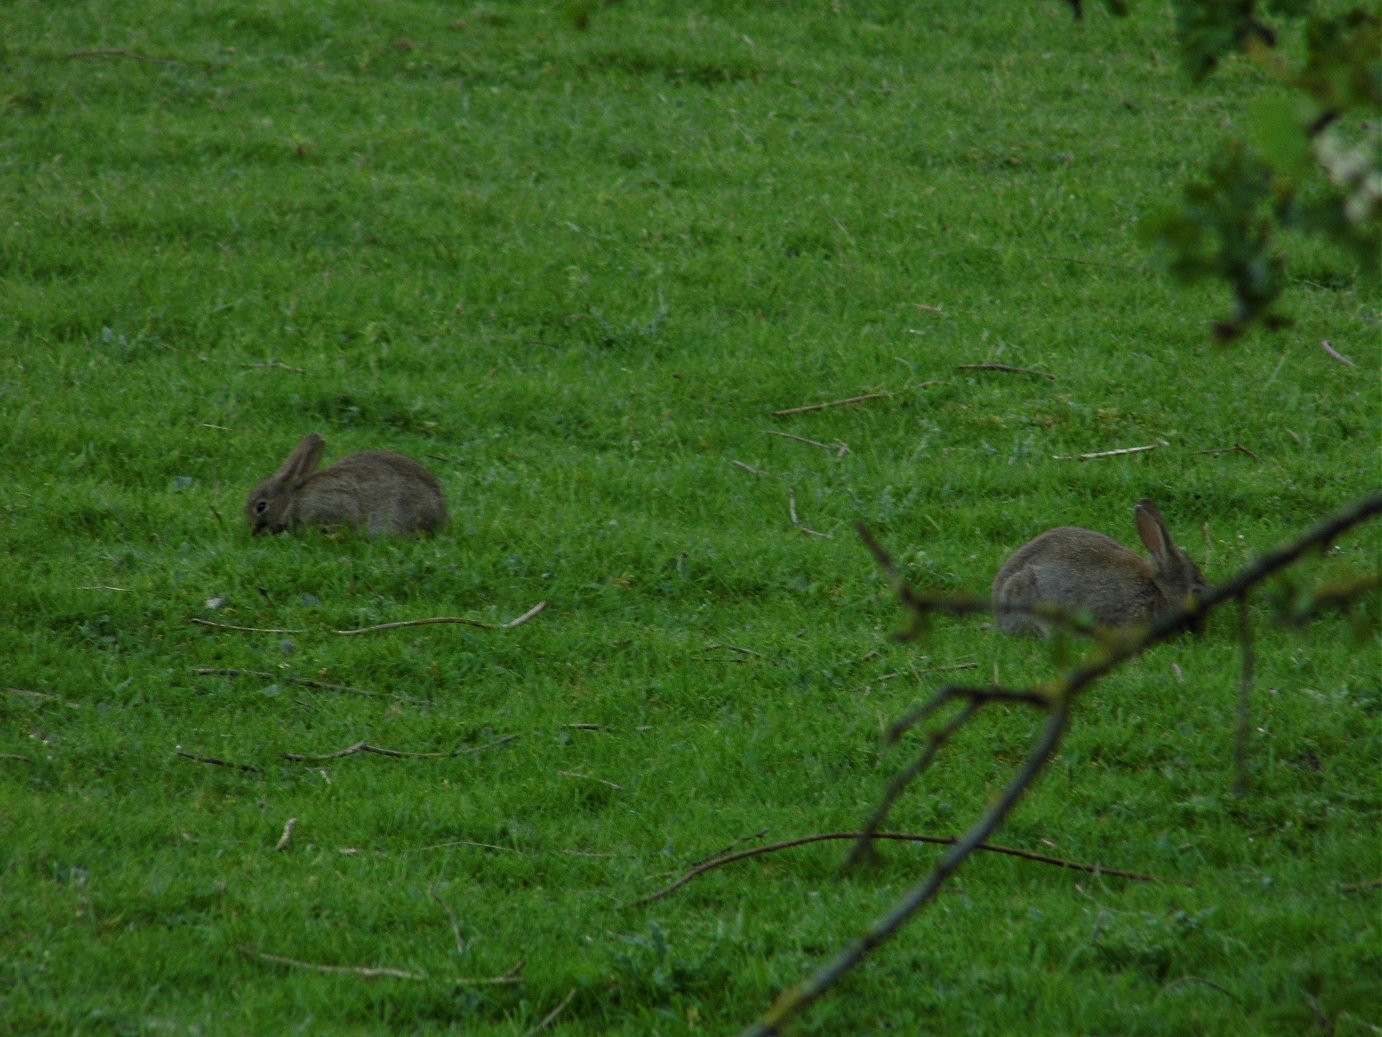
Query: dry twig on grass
point(396, 754)
point(514, 975)
point(792, 511)
point(551, 1016)
point(249, 630)
point(812, 407)
point(287, 837)
point(536, 610)
point(1097, 454)
point(212, 761)
point(1328, 347)
point(276, 365)
point(721, 860)
point(749, 468)
point(837, 448)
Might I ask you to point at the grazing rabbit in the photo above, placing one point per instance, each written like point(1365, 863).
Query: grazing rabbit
point(1075, 568)
point(384, 493)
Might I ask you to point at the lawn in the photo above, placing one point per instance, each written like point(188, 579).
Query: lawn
point(577, 272)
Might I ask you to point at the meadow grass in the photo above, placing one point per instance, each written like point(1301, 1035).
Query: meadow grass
point(575, 272)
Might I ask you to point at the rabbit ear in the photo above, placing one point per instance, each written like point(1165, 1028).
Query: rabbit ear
point(1151, 527)
point(303, 461)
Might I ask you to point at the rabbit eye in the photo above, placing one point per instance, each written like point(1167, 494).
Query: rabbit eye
point(260, 506)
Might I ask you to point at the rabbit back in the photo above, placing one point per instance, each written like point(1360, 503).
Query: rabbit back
point(381, 492)
point(1073, 568)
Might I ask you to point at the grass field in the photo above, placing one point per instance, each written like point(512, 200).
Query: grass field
point(575, 273)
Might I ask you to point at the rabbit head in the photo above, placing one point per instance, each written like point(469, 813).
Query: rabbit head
point(268, 509)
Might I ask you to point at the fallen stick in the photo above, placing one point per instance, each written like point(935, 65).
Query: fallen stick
point(249, 630)
point(832, 403)
point(532, 612)
point(838, 448)
point(287, 837)
point(1328, 347)
point(934, 840)
point(748, 468)
point(212, 761)
point(396, 754)
point(1095, 455)
point(372, 972)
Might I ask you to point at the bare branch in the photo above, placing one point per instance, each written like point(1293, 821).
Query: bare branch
point(450, 916)
point(720, 860)
point(796, 999)
point(837, 448)
point(396, 754)
point(749, 468)
point(212, 761)
point(287, 837)
point(1097, 454)
point(534, 611)
point(371, 972)
point(810, 407)
point(249, 630)
point(550, 1016)
point(1328, 347)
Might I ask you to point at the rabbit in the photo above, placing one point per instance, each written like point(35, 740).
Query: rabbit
point(1074, 568)
point(381, 492)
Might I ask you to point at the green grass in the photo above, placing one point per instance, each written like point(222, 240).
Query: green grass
point(575, 272)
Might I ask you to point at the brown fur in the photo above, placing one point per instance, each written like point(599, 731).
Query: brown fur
point(1078, 569)
point(384, 493)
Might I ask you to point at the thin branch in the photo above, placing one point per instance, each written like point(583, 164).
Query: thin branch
point(307, 682)
point(277, 365)
point(792, 510)
point(371, 972)
point(717, 647)
point(534, 611)
point(1328, 347)
point(720, 861)
point(749, 468)
point(550, 1016)
point(796, 999)
point(1097, 454)
point(863, 849)
point(450, 917)
point(213, 761)
point(837, 448)
point(396, 754)
point(363, 971)
point(287, 837)
point(249, 630)
point(587, 777)
point(811, 407)
point(1007, 369)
